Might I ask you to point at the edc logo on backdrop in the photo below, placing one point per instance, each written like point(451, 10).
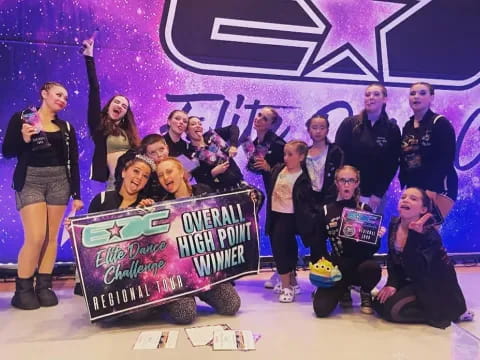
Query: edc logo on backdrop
point(348, 41)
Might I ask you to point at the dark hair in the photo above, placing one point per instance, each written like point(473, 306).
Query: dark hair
point(308, 123)
point(429, 86)
point(48, 85)
point(356, 194)
point(170, 116)
point(426, 201)
point(301, 147)
point(127, 124)
point(149, 140)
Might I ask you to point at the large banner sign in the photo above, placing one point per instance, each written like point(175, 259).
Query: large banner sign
point(137, 258)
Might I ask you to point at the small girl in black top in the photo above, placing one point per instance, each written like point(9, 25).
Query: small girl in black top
point(44, 179)
point(288, 214)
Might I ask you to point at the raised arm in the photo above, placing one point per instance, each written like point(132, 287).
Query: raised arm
point(94, 107)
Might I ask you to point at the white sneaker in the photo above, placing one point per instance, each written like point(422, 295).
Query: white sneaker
point(286, 296)
point(274, 280)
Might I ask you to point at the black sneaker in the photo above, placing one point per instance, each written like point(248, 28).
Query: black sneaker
point(77, 290)
point(346, 299)
point(366, 302)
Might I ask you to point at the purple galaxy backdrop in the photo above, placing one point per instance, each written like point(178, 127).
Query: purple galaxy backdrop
point(39, 41)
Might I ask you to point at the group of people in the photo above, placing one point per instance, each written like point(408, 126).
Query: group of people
point(307, 187)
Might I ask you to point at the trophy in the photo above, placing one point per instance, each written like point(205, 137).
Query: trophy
point(39, 140)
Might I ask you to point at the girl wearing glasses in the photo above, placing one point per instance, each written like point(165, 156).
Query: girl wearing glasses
point(113, 128)
point(353, 258)
point(45, 177)
point(428, 150)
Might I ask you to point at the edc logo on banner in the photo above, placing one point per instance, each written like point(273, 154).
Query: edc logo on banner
point(349, 41)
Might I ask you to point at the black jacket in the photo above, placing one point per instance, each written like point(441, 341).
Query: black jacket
point(108, 200)
point(175, 148)
point(334, 161)
point(197, 190)
point(203, 173)
point(424, 264)
point(99, 170)
point(274, 155)
point(373, 150)
point(428, 153)
point(329, 226)
point(14, 146)
point(302, 204)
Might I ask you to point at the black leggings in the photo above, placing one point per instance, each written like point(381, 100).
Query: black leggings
point(284, 242)
point(366, 273)
point(401, 307)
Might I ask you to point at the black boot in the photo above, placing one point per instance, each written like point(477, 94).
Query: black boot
point(25, 297)
point(43, 289)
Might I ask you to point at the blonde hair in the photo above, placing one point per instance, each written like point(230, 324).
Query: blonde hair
point(180, 167)
point(300, 146)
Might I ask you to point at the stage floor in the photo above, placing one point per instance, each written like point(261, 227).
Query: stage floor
point(289, 331)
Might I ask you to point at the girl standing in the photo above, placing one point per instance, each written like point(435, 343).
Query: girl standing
point(113, 128)
point(288, 214)
point(44, 180)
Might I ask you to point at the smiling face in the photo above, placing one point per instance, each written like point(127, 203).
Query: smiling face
point(177, 122)
point(264, 120)
point(135, 177)
point(157, 151)
point(55, 98)
point(170, 176)
point(411, 205)
point(420, 98)
point(346, 182)
point(195, 129)
point(118, 108)
point(374, 99)
point(318, 129)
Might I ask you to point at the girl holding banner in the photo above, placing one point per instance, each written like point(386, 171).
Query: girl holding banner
point(222, 297)
point(113, 128)
point(428, 150)
point(422, 286)
point(45, 176)
point(353, 258)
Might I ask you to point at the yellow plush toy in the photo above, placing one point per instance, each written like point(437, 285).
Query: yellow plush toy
point(323, 273)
